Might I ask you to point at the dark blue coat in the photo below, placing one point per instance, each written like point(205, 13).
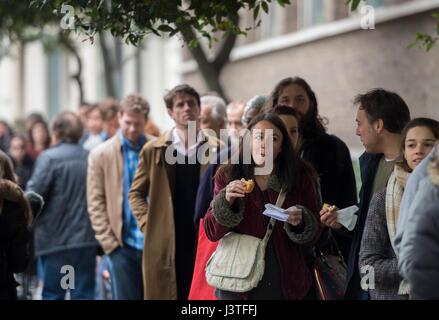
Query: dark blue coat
point(60, 176)
point(368, 166)
point(205, 188)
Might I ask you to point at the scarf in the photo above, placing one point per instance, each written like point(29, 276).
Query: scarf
point(394, 191)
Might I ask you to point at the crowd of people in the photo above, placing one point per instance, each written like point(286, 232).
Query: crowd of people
point(97, 191)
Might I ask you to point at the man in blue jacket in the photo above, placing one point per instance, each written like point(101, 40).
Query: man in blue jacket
point(64, 239)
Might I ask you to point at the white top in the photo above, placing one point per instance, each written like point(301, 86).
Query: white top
point(180, 146)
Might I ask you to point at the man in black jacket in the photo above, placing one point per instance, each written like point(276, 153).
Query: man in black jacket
point(64, 239)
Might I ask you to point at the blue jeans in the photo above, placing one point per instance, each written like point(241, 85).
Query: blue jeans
point(103, 286)
point(126, 274)
point(83, 261)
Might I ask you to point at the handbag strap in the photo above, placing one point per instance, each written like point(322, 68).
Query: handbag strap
point(270, 227)
point(333, 242)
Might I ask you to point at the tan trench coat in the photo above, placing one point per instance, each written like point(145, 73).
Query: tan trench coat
point(154, 181)
point(105, 192)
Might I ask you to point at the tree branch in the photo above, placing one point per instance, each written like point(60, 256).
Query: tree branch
point(207, 69)
point(223, 55)
point(67, 43)
point(108, 66)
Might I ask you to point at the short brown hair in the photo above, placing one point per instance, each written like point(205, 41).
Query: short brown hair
point(67, 127)
point(135, 103)
point(92, 108)
point(179, 90)
point(110, 107)
point(386, 105)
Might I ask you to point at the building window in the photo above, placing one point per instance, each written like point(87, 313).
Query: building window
point(268, 22)
point(375, 3)
point(311, 12)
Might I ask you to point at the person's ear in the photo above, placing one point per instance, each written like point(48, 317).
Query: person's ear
point(378, 125)
point(53, 139)
point(170, 112)
point(119, 118)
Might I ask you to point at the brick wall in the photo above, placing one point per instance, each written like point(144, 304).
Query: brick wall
point(339, 67)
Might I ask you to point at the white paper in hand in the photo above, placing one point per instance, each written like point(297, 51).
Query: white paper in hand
point(275, 212)
point(347, 217)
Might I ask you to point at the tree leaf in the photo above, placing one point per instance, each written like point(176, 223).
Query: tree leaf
point(256, 12)
point(354, 4)
point(193, 43)
point(265, 7)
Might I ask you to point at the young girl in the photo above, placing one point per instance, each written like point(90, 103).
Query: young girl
point(286, 275)
point(377, 245)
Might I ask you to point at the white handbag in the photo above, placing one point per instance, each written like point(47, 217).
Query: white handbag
point(238, 263)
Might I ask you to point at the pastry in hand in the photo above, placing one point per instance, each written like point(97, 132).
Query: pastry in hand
point(328, 207)
point(249, 185)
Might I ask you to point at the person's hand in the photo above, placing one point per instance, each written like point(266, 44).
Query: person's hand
point(235, 189)
point(328, 216)
point(106, 274)
point(295, 217)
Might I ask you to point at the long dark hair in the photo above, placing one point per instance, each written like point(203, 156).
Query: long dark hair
point(7, 173)
point(288, 166)
point(46, 128)
point(6, 168)
point(311, 123)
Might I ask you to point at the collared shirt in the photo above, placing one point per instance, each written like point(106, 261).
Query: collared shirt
point(131, 234)
point(90, 141)
point(180, 146)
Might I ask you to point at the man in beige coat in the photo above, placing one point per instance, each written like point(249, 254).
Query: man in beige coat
point(163, 193)
point(111, 169)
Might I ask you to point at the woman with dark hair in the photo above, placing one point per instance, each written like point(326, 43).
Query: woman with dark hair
point(327, 153)
point(15, 216)
point(39, 138)
point(377, 244)
point(6, 134)
point(286, 275)
point(291, 119)
point(23, 163)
